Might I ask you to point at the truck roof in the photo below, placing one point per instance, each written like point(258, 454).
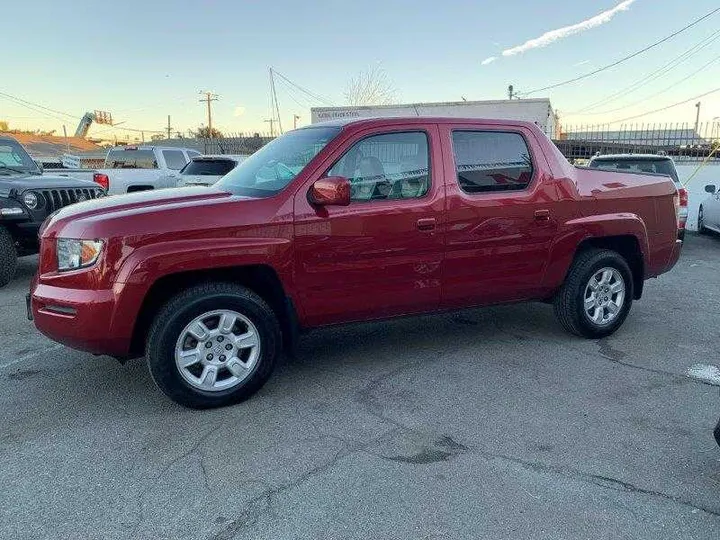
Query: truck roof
point(151, 147)
point(391, 120)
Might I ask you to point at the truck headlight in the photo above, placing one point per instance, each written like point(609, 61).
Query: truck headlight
point(73, 254)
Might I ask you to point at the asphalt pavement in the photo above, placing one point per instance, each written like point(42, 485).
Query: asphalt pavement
point(489, 423)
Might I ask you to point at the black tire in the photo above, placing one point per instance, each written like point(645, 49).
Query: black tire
point(180, 311)
point(701, 221)
point(569, 301)
point(8, 257)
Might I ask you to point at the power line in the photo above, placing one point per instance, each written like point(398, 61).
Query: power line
point(671, 87)
point(664, 108)
point(625, 59)
point(665, 68)
point(37, 105)
point(316, 97)
point(34, 109)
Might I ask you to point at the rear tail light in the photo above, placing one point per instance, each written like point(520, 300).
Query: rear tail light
point(683, 197)
point(102, 180)
point(682, 210)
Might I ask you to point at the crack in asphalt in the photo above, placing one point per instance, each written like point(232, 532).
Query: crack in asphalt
point(603, 481)
point(155, 481)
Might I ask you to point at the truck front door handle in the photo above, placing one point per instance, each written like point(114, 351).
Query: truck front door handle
point(542, 215)
point(426, 224)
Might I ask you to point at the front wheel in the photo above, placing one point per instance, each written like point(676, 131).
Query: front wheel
point(8, 257)
point(597, 294)
point(213, 345)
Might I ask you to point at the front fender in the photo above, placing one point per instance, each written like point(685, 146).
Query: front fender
point(576, 231)
point(145, 265)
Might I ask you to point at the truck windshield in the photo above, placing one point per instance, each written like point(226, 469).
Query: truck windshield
point(269, 170)
point(130, 158)
point(641, 165)
point(14, 159)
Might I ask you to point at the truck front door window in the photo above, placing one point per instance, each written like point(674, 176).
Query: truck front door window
point(387, 166)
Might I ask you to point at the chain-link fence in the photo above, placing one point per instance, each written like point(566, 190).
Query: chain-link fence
point(234, 143)
point(684, 142)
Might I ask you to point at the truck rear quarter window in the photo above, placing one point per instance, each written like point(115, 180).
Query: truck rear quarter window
point(386, 166)
point(491, 161)
point(130, 159)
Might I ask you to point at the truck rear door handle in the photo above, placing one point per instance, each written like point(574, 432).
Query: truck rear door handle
point(426, 224)
point(542, 215)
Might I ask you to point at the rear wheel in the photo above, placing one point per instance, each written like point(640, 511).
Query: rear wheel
point(701, 221)
point(8, 257)
point(213, 345)
point(597, 294)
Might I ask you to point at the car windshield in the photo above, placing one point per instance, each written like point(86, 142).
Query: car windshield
point(209, 167)
point(14, 159)
point(269, 170)
point(641, 165)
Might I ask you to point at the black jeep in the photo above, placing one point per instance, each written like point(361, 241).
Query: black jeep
point(27, 198)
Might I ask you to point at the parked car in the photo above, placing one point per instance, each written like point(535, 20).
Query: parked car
point(207, 170)
point(348, 221)
point(646, 164)
point(27, 197)
point(142, 168)
point(709, 212)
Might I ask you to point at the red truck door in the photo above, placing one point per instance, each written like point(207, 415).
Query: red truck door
point(501, 218)
point(381, 255)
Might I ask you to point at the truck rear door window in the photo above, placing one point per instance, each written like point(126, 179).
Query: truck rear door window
point(130, 159)
point(209, 167)
point(491, 161)
point(174, 159)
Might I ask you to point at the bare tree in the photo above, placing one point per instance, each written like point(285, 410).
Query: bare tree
point(371, 87)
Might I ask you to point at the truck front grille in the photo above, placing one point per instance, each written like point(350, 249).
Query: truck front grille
point(58, 198)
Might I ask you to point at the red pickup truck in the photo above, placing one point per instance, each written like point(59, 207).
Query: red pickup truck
point(348, 221)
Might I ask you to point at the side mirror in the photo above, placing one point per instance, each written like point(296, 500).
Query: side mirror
point(710, 188)
point(331, 191)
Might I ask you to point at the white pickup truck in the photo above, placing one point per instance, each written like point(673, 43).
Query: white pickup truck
point(141, 168)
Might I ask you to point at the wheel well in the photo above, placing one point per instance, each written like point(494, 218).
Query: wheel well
point(261, 279)
point(629, 248)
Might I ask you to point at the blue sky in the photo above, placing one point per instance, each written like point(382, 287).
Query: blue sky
point(145, 60)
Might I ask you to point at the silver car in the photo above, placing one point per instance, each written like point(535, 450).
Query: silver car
point(207, 170)
point(709, 213)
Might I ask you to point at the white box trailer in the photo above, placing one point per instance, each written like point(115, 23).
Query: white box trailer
point(538, 111)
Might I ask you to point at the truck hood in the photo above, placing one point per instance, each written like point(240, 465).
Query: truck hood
point(22, 182)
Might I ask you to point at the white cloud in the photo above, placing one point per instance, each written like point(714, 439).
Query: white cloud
point(239, 110)
point(554, 35)
point(488, 61)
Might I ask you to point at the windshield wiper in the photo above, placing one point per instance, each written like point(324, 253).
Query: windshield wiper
point(5, 167)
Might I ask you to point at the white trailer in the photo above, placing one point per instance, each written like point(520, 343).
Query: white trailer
point(539, 111)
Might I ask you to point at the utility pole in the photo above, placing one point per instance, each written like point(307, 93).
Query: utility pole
point(511, 92)
point(697, 117)
point(169, 129)
point(275, 100)
point(271, 121)
point(295, 119)
point(209, 97)
point(142, 134)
